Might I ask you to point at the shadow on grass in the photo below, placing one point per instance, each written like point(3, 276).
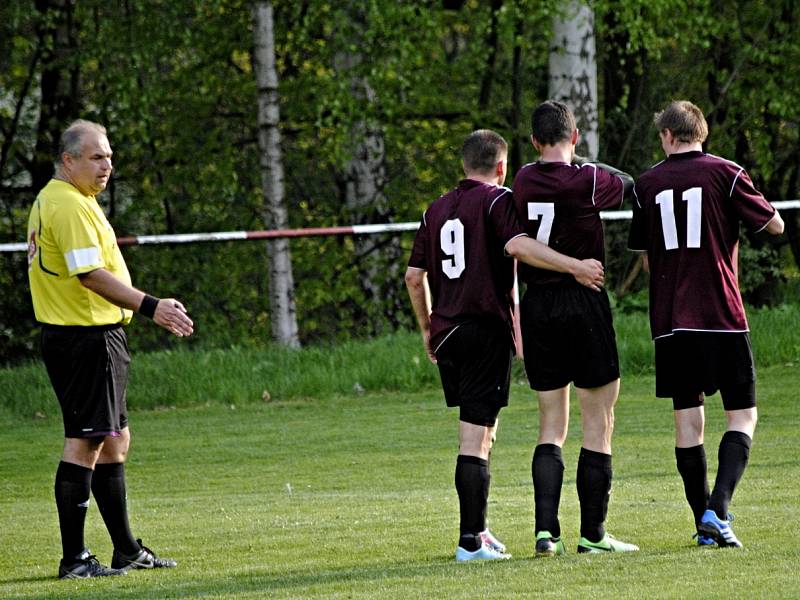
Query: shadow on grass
point(295, 583)
point(23, 580)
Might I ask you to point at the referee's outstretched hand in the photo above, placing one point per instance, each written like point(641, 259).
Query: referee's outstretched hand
point(590, 273)
point(171, 315)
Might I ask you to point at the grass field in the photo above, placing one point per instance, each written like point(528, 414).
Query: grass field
point(182, 378)
point(350, 495)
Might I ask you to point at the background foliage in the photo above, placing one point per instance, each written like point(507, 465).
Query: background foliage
point(173, 83)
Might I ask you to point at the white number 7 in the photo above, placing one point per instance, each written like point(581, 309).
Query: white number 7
point(545, 210)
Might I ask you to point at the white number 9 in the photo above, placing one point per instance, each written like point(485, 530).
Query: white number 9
point(451, 238)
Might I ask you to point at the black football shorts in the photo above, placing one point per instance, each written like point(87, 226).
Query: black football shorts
point(568, 336)
point(88, 369)
point(690, 364)
point(474, 363)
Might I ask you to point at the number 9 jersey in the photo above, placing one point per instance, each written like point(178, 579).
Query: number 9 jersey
point(461, 244)
point(686, 215)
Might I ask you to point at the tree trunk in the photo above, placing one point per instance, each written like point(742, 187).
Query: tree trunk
point(518, 139)
point(492, 42)
point(573, 71)
point(283, 312)
point(378, 257)
point(60, 82)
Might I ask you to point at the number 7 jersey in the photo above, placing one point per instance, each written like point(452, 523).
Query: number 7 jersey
point(559, 205)
point(686, 215)
point(460, 243)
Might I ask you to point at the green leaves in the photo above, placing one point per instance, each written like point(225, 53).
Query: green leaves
point(173, 82)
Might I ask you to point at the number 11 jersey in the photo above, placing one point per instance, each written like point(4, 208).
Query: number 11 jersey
point(461, 244)
point(686, 215)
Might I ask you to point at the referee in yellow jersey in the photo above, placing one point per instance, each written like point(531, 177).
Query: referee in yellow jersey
point(82, 296)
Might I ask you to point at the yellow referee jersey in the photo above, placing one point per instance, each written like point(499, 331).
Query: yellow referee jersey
point(68, 234)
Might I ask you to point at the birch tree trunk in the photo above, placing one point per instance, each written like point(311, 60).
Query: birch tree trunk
point(283, 312)
point(573, 71)
point(378, 257)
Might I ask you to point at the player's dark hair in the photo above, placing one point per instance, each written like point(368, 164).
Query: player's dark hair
point(552, 122)
point(684, 120)
point(72, 138)
point(482, 150)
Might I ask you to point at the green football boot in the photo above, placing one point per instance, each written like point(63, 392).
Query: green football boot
point(608, 544)
point(547, 545)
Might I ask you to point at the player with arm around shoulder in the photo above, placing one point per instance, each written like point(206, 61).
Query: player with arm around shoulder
point(82, 296)
point(460, 279)
point(686, 217)
point(567, 330)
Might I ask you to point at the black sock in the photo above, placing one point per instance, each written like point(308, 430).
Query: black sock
point(547, 472)
point(734, 452)
point(72, 486)
point(472, 485)
point(693, 470)
point(594, 490)
point(108, 487)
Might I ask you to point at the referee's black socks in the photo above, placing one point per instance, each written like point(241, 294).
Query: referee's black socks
point(693, 469)
point(547, 472)
point(472, 484)
point(734, 452)
point(72, 486)
point(594, 490)
point(108, 487)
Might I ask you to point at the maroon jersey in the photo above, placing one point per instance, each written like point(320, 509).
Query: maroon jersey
point(686, 214)
point(460, 243)
point(559, 204)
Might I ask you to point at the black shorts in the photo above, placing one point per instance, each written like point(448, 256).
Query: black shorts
point(690, 364)
point(568, 336)
point(474, 363)
point(88, 368)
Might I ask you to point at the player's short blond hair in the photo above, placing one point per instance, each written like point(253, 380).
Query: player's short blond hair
point(684, 120)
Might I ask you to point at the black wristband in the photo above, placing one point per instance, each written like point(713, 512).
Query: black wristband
point(148, 306)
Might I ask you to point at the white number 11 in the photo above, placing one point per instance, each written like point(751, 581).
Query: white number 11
point(694, 209)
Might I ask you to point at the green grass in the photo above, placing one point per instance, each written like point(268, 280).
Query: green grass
point(244, 376)
point(181, 378)
point(350, 495)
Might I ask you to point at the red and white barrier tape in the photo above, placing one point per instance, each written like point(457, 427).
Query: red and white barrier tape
point(224, 236)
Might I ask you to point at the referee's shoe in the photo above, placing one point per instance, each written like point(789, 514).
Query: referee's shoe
point(86, 565)
point(144, 559)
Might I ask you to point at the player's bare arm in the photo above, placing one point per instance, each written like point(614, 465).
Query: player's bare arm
point(417, 284)
point(588, 272)
point(169, 313)
point(645, 261)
